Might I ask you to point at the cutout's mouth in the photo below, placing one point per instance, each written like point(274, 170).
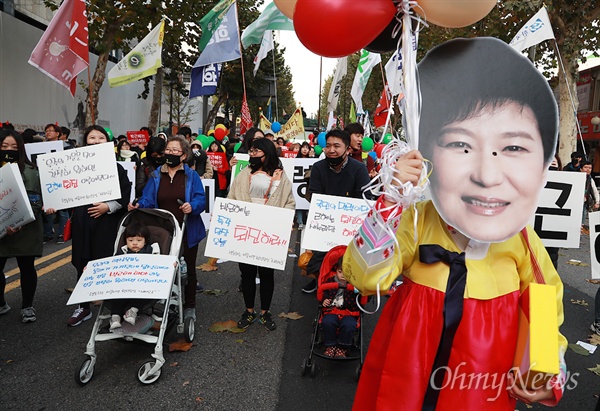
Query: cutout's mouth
point(485, 206)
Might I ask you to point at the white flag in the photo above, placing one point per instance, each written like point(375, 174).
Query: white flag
point(366, 63)
point(537, 29)
point(265, 46)
point(143, 61)
point(393, 73)
point(336, 85)
point(330, 121)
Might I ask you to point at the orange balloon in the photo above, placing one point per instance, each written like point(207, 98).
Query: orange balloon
point(286, 7)
point(454, 13)
point(220, 126)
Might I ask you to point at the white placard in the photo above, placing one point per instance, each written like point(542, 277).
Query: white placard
point(79, 176)
point(33, 150)
point(243, 160)
point(130, 167)
point(301, 165)
point(15, 209)
point(126, 276)
point(209, 195)
point(332, 221)
point(250, 233)
point(557, 219)
point(595, 243)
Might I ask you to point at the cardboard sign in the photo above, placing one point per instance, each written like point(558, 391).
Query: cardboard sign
point(218, 161)
point(33, 150)
point(557, 219)
point(250, 233)
point(301, 166)
point(126, 276)
point(333, 221)
point(129, 166)
point(15, 209)
point(243, 161)
point(595, 244)
point(209, 194)
point(138, 137)
point(79, 177)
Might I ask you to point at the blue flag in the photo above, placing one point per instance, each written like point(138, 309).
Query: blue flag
point(224, 45)
point(205, 80)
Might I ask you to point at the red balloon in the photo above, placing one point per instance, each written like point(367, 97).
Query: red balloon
point(378, 149)
point(220, 134)
point(311, 136)
point(337, 28)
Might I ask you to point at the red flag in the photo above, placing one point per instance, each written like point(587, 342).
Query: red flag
point(381, 112)
point(341, 122)
point(246, 117)
point(62, 52)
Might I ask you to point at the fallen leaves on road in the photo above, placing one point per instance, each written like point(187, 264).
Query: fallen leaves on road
point(210, 265)
point(9, 361)
point(225, 326)
point(579, 350)
point(596, 369)
point(215, 292)
point(199, 399)
point(186, 383)
point(577, 262)
point(593, 280)
point(594, 339)
point(173, 364)
point(291, 316)
point(579, 302)
point(180, 345)
point(239, 341)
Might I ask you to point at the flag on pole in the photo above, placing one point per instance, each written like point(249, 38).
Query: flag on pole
point(336, 85)
point(143, 61)
point(211, 22)
point(269, 110)
point(265, 46)
point(381, 112)
point(536, 30)
point(62, 52)
point(366, 63)
point(352, 115)
point(205, 80)
point(246, 117)
point(393, 73)
point(330, 121)
point(270, 19)
point(224, 45)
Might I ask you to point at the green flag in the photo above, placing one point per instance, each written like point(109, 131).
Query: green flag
point(352, 116)
point(270, 19)
point(211, 22)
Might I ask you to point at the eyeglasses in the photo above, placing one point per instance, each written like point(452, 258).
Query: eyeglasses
point(254, 151)
point(173, 151)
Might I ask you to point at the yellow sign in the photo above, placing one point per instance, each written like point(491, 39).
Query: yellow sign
point(293, 128)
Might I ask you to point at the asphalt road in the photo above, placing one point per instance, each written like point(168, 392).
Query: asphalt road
point(254, 370)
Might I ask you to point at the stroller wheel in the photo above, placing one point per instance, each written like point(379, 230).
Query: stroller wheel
point(357, 372)
point(85, 372)
point(143, 375)
point(313, 370)
point(305, 367)
point(190, 329)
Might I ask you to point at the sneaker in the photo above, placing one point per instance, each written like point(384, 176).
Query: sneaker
point(60, 239)
point(28, 315)
point(341, 352)
point(595, 327)
point(79, 315)
point(310, 287)
point(189, 312)
point(247, 319)
point(115, 322)
point(330, 351)
point(199, 288)
point(131, 315)
point(5, 308)
point(266, 320)
point(46, 239)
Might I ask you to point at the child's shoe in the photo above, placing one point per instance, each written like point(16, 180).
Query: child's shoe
point(341, 352)
point(115, 322)
point(330, 351)
point(131, 315)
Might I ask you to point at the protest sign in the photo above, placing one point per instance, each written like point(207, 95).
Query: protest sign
point(130, 167)
point(15, 209)
point(209, 193)
point(250, 233)
point(218, 160)
point(333, 221)
point(293, 128)
point(148, 276)
point(557, 219)
point(595, 244)
point(138, 137)
point(33, 150)
point(301, 166)
point(243, 161)
point(79, 177)
point(289, 153)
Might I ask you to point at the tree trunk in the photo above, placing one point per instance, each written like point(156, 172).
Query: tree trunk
point(153, 121)
point(212, 114)
point(91, 116)
point(568, 121)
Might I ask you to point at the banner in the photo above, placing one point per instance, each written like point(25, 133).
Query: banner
point(382, 110)
point(205, 80)
point(301, 166)
point(243, 161)
point(143, 61)
point(270, 19)
point(79, 176)
point(336, 85)
point(33, 150)
point(595, 251)
point(266, 45)
point(393, 73)
point(62, 52)
point(212, 20)
point(366, 63)
point(293, 128)
point(246, 233)
point(536, 30)
point(15, 209)
point(224, 45)
point(263, 122)
point(138, 137)
point(148, 276)
point(246, 122)
point(332, 221)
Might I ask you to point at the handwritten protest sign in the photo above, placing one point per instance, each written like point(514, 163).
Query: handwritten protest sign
point(218, 160)
point(301, 166)
point(79, 177)
point(129, 166)
point(138, 137)
point(33, 150)
point(15, 209)
point(332, 221)
point(209, 193)
point(250, 233)
point(595, 244)
point(126, 276)
point(557, 219)
point(243, 161)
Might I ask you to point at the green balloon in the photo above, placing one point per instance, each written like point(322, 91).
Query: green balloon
point(237, 147)
point(111, 136)
point(367, 144)
point(318, 150)
point(387, 138)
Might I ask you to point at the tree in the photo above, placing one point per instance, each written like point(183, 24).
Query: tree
point(181, 109)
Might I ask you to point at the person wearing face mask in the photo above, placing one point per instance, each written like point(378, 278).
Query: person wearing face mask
point(125, 153)
point(25, 242)
point(337, 174)
point(262, 182)
point(155, 157)
point(200, 162)
point(172, 182)
point(94, 226)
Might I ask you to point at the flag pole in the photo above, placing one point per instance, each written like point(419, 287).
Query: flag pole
point(275, 76)
point(90, 91)
point(320, 83)
point(241, 52)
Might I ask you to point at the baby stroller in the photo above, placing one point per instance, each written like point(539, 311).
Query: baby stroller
point(355, 352)
point(164, 230)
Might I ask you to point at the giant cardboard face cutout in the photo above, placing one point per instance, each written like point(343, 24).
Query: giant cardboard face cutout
point(489, 126)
